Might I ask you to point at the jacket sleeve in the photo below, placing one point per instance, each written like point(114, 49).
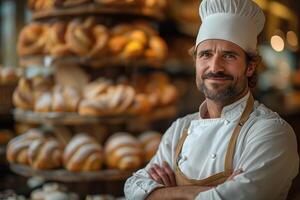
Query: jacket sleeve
point(140, 185)
point(269, 160)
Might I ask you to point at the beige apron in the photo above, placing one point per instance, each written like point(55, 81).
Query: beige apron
point(221, 177)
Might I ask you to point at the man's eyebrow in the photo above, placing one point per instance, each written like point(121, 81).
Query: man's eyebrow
point(231, 52)
point(204, 51)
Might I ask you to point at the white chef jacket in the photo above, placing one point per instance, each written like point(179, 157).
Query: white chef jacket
point(266, 150)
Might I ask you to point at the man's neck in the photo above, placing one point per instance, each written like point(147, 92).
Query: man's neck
point(214, 108)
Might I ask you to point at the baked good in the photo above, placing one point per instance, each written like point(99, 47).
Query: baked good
point(111, 100)
point(101, 35)
point(123, 151)
point(58, 101)
point(43, 102)
point(42, 83)
point(83, 153)
point(38, 5)
point(72, 98)
point(17, 148)
point(56, 44)
point(157, 48)
point(150, 141)
point(23, 95)
point(32, 39)
point(45, 153)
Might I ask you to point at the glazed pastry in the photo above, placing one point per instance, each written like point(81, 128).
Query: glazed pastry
point(83, 153)
point(17, 148)
point(150, 141)
point(23, 95)
point(45, 154)
point(32, 39)
point(123, 151)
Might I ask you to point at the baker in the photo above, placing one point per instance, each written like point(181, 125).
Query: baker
point(234, 148)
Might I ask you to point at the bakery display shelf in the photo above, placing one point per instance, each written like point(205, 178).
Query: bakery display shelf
point(98, 9)
point(63, 175)
point(76, 119)
point(99, 62)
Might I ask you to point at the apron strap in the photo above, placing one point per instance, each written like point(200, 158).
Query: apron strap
point(179, 146)
point(235, 134)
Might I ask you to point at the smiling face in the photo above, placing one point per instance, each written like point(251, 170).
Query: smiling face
point(221, 71)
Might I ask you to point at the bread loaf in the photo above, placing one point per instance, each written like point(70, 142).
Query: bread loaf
point(123, 151)
point(150, 141)
point(83, 153)
point(45, 153)
point(17, 148)
point(23, 95)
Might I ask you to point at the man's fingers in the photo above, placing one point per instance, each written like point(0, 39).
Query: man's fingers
point(163, 175)
point(170, 173)
point(153, 175)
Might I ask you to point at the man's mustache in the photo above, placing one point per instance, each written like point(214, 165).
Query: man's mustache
point(216, 75)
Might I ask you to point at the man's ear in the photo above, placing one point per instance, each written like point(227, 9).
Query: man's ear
point(251, 68)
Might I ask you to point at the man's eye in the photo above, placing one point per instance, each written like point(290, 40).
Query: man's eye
point(229, 56)
point(204, 55)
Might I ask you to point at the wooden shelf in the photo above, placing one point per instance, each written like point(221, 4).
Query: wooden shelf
point(63, 175)
point(76, 119)
point(98, 9)
point(106, 61)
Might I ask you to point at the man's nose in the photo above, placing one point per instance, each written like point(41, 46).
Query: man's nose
point(216, 64)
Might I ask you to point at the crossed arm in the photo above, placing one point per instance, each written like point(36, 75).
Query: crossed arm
point(165, 176)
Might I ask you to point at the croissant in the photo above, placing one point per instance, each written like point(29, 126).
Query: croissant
point(123, 151)
point(17, 148)
point(83, 153)
point(150, 141)
point(45, 154)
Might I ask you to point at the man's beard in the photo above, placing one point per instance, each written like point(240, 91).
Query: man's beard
point(219, 92)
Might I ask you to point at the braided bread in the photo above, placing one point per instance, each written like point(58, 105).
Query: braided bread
point(32, 39)
point(123, 151)
point(83, 153)
point(45, 154)
point(56, 44)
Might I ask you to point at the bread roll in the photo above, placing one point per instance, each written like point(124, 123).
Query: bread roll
point(23, 95)
point(17, 148)
point(32, 39)
point(43, 102)
point(45, 153)
point(150, 141)
point(83, 153)
point(123, 151)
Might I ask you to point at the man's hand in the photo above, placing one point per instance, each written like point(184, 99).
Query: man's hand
point(163, 174)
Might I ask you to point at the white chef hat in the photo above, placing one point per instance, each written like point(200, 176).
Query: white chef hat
point(237, 21)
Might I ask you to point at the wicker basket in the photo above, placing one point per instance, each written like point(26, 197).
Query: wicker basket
point(6, 92)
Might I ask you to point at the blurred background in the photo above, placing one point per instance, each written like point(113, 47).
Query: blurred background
point(278, 85)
